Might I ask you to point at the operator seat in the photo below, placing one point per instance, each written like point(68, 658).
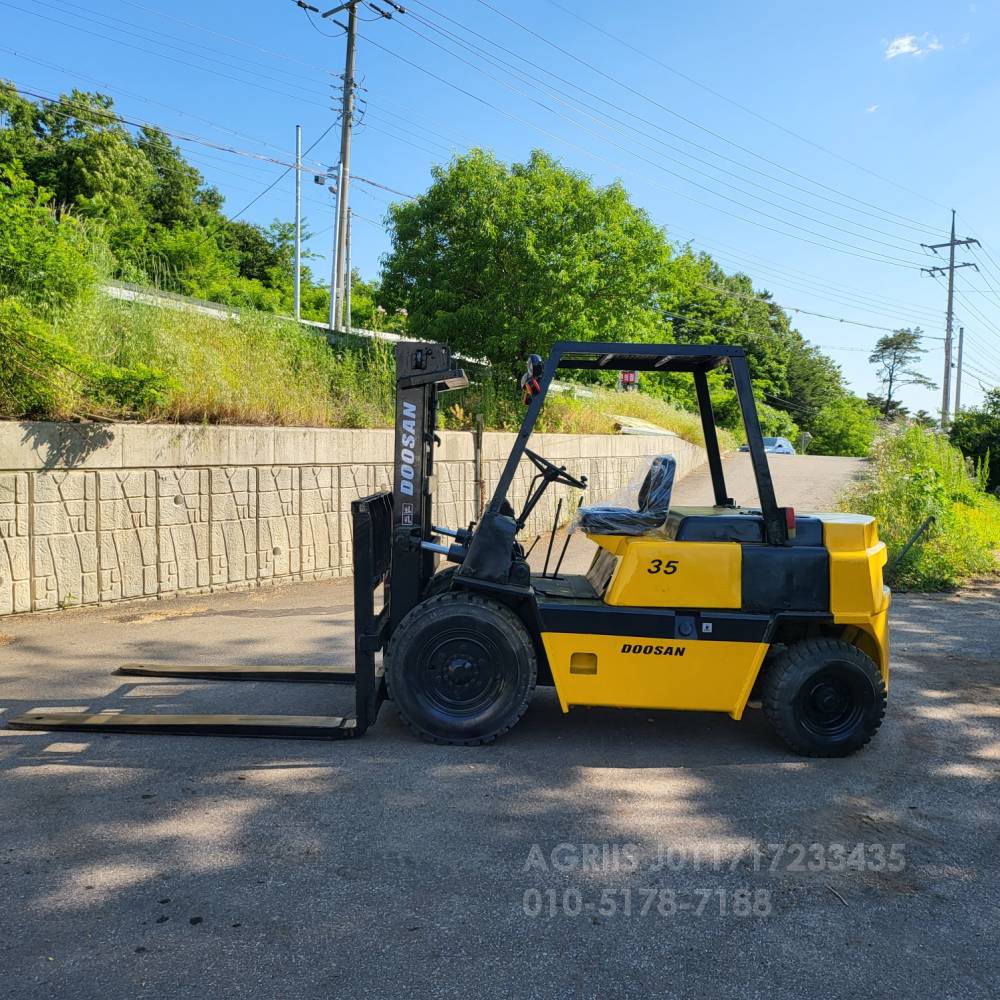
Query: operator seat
point(654, 503)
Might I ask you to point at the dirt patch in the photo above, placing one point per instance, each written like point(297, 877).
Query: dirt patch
point(6, 639)
point(151, 617)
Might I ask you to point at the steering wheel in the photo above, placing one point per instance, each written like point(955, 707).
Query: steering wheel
point(555, 473)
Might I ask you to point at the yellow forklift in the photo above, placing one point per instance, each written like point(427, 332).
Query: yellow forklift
point(697, 608)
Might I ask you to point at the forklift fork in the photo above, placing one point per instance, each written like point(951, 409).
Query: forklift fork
point(372, 521)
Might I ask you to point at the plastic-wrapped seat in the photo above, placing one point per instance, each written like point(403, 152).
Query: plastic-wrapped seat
point(654, 503)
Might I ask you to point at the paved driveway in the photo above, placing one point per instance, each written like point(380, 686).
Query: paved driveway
point(807, 482)
point(599, 854)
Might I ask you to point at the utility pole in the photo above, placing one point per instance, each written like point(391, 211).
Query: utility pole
point(347, 268)
point(950, 269)
point(344, 182)
point(335, 258)
point(298, 222)
point(344, 185)
point(958, 376)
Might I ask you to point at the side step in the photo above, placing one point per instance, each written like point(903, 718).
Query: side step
point(303, 674)
point(296, 727)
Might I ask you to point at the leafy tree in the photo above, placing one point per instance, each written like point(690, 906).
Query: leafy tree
point(846, 425)
point(894, 410)
point(896, 356)
point(503, 261)
point(175, 197)
point(976, 432)
point(814, 382)
point(257, 254)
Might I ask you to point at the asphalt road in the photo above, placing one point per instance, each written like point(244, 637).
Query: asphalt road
point(807, 482)
point(177, 867)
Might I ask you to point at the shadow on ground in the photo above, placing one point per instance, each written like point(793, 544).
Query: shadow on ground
point(170, 866)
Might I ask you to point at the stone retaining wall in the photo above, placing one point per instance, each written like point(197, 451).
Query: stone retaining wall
point(97, 513)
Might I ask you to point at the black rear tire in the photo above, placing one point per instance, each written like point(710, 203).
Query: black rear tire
point(461, 669)
point(824, 697)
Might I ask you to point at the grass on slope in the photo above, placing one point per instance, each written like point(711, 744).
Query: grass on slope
point(124, 360)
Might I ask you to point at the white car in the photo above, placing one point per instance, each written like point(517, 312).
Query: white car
point(775, 446)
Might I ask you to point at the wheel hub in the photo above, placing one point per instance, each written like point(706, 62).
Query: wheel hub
point(460, 670)
point(459, 675)
point(831, 704)
point(828, 700)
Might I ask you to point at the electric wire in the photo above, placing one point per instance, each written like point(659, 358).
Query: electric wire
point(682, 177)
point(647, 124)
point(139, 97)
point(590, 153)
point(605, 33)
point(694, 124)
point(160, 55)
point(142, 32)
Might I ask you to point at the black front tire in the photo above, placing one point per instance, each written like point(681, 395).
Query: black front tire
point(824, 697)
point(440, 582)
point(461, 669)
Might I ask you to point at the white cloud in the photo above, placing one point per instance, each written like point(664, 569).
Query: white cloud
point(871, 109)
point(912, 45)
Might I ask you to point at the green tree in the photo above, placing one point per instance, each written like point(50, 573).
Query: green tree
point(845, 425)
point(895, 357)
point(175, 198)
point(256, 253)
point(893, 410)
point(814, 381)
point(976, 431)
point(503, 261)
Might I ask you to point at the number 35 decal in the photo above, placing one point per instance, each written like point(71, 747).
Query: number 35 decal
point(659, 566)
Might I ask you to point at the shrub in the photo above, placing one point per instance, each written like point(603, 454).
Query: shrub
point(33, 381)
point(977, 432)
point(917, 474)
point(44, 261)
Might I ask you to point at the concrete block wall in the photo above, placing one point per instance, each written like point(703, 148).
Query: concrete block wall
point(99, 513)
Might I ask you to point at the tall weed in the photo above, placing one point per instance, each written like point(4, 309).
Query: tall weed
point(917, 474)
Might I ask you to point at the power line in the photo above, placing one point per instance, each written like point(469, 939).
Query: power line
point(984, 270)
point(605, 33)
point(203, 69)
point(139, 97)
point(797, 310)
point(182, 137)
point(855, 252)
point(270, 187)
point(726, 250)
point(677, 114)
point(383, 130)
point(975, 310)
point(143, 33)
point(413, 116)
point(218, 34)
point(817, 289)
point(364, 218)
point(694, 183)
point(647, 124)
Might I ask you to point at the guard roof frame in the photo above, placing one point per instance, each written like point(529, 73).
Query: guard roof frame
point(695, 359)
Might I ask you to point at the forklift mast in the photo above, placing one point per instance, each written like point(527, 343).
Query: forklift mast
point(422, 371)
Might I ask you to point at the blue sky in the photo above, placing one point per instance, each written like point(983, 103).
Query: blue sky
point(905, 91)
